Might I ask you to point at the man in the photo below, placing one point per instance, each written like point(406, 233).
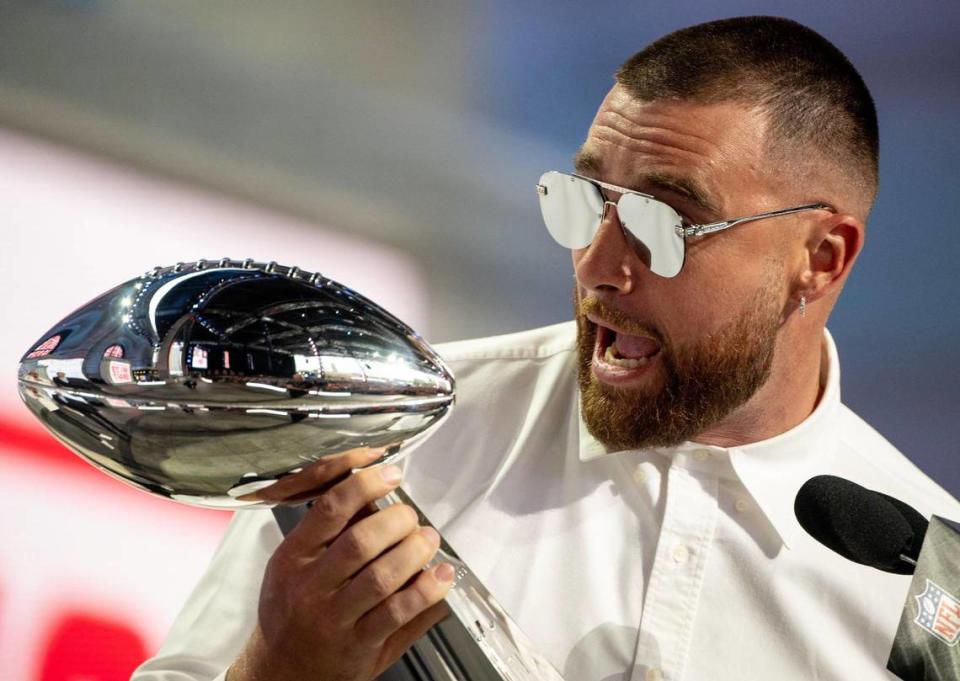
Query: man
point(624, 486)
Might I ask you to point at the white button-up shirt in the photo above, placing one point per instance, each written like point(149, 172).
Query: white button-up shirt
point(680, 563)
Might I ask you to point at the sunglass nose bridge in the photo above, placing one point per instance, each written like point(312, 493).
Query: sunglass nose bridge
point(603, 213)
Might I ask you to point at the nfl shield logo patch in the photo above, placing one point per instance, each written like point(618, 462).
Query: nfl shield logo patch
point(938, 613)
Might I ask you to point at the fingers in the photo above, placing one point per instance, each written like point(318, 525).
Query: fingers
point(402, 608)
point(316, 477)
point(372, 591)
point(363, 541)
point(398, 643)
point(332, 511)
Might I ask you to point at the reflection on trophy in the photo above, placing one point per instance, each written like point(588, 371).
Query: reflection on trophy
point(209, 381)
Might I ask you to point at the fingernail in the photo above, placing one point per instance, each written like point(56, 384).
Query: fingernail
point(444, 572)
point(392, 474)
point(431, 535)
point(375, 453)
point(413, 513)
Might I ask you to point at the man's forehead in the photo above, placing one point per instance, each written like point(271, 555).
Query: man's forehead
point(688, 147)
point(711, 118)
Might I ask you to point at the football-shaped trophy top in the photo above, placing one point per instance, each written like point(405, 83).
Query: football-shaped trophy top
point(206, 381)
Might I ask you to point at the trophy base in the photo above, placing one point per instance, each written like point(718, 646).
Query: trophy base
point(446, 652)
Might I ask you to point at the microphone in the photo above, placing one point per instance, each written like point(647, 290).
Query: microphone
point(874, 529)
point(862, 525)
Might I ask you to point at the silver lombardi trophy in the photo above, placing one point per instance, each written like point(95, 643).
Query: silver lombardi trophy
point(209, 381)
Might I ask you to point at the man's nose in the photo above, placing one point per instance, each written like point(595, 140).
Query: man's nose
point(607, 263)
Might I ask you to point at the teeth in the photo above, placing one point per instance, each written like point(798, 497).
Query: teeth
point(611, 358)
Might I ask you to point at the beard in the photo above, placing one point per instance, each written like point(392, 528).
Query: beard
point(701, 382)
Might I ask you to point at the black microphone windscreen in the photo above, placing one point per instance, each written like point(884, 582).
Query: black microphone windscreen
point(917, 522)
point(861, 525)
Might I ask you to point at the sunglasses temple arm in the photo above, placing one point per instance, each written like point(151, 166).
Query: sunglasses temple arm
point(697, 230)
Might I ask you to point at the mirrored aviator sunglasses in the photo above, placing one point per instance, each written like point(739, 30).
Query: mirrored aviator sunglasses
point(573, 208)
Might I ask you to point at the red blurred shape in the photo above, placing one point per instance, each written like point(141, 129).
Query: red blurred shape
point(34, 443)
point(84, 646)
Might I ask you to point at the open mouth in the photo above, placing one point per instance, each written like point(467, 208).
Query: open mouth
point(623, 351)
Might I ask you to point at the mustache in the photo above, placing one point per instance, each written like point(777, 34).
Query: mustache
point(599, 310)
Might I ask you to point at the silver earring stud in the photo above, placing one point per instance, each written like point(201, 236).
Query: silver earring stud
point(803, 307)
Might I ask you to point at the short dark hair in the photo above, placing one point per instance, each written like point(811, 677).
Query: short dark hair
point(812, 95)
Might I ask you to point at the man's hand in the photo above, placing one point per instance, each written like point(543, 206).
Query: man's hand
point(344, 595)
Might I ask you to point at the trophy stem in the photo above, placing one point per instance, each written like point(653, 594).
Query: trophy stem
point(480, 641)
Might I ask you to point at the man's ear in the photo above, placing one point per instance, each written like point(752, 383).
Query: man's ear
point(831, 251)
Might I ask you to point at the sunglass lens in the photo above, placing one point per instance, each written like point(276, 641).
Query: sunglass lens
point(571, 208)
point(652, 227)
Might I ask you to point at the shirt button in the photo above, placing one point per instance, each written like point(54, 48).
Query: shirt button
point(653, 674)
point(681, 554)
point(701, 454)
point(742, 505)
point(639, 475)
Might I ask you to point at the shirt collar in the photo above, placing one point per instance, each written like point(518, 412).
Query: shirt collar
point(772, 470)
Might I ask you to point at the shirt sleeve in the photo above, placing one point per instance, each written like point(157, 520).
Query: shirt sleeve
point(221, 612)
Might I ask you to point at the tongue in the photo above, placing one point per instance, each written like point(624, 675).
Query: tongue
point(635, 347)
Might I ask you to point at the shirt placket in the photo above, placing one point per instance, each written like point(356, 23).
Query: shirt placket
point(676, 579)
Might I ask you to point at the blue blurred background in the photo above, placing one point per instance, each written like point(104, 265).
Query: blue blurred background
point(423, 125)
